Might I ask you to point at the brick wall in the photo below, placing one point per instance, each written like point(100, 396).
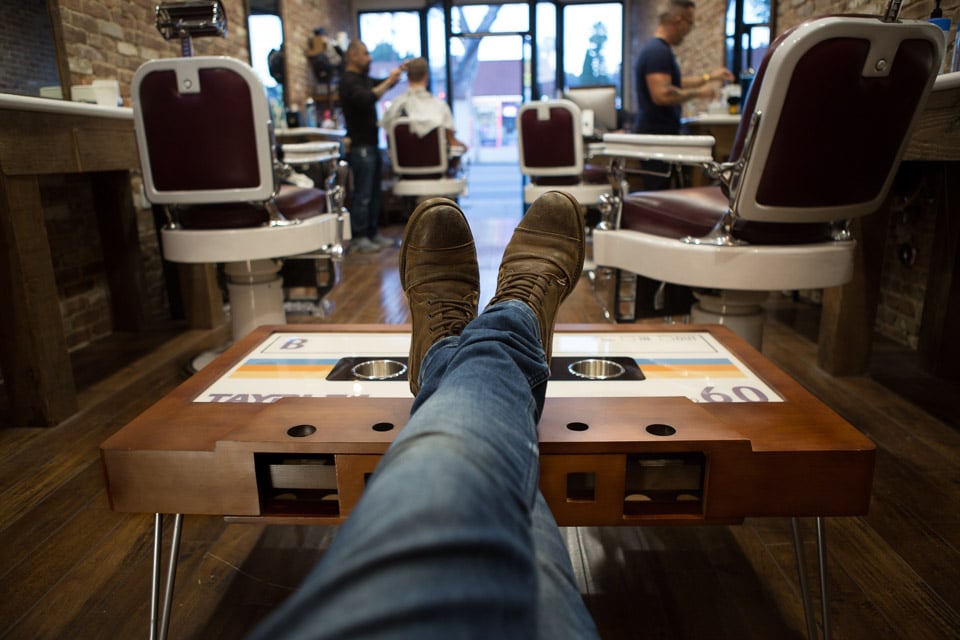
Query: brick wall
point(78, 259)
point(703, 50)
point(111, 38)
point(299, 21)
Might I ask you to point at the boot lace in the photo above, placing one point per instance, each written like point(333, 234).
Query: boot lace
point(448, 316)
point(529, 288)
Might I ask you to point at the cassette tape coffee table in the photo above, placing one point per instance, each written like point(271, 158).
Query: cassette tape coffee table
point(643, 424)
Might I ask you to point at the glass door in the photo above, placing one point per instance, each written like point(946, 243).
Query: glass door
point(487, 47)
point(488, 100)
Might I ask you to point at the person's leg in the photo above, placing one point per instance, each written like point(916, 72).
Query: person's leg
point(362, 164)
point(376, 195)
point(561, 612)
point(442, 542)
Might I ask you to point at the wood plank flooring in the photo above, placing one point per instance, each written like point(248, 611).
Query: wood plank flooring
point(71, 568)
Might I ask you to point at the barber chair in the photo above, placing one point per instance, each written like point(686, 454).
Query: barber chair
point(824, 127)
point(422, 164)
point(552, 153)
point(207, 152)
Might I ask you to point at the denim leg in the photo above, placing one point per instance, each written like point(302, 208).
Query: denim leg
point(376, 194)
point(561, 612)
point(364, 163)
point(442, 543)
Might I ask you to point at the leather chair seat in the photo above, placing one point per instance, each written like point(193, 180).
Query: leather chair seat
point(295, 203)
point(694, 212)
point(592, 174)
point(554, 181)
point(595, 174)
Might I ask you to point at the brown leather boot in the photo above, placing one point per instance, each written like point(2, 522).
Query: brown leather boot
point(439, 274)
point(544, 259)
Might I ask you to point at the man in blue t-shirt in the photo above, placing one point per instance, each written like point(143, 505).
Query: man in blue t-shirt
point(661, 92)
point(661, 88)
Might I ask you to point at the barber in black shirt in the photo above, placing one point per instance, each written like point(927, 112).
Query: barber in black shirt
point(359, 94)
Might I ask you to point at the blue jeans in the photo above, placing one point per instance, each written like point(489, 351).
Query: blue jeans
point(452, 537)
point(365, 202)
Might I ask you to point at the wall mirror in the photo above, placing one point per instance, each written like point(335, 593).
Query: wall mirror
point(33, 61)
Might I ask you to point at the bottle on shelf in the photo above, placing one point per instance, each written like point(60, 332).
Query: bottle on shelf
point(310, 112)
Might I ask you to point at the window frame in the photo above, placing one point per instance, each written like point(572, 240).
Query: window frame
point(734, 51)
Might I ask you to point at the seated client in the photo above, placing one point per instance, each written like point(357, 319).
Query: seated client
point(425, 111)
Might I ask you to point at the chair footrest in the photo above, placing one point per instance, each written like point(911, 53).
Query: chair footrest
point(435, 187)
point(200, 246)
point(747, 267)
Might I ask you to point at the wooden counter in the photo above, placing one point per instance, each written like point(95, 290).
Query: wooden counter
point(43, 137)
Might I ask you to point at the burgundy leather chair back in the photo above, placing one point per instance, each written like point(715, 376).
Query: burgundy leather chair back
point(206, 145)
point(414, 151)
point(840, 130)
point(200, 141)
point(548, 143)
point(551, 143)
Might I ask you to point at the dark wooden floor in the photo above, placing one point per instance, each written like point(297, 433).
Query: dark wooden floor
point(69, 567)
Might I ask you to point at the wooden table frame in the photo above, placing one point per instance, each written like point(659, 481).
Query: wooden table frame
point(795, 458)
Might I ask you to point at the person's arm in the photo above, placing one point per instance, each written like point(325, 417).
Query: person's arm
point(692, 82)
point(388, 83)
point(452, 140)
point(355, 91)
point(446, 121)
point(665, 94)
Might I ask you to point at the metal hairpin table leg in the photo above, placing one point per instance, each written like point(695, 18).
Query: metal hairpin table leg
point(160, 632)
point(822, 559)
point(804, 593)
point(822, 568)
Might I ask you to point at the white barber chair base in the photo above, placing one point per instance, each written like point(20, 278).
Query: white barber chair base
point(740, 311)
point(254, 285)
point(255, 291)
point(252, 243)
point(423, 189)
point(256, 295)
